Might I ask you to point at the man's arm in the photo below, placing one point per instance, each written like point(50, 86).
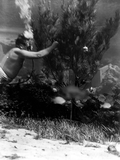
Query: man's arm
point(36, 55)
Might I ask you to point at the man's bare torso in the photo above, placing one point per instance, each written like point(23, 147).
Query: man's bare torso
point(12, 63)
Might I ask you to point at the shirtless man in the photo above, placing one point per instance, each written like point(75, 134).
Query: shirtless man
point(12, 62)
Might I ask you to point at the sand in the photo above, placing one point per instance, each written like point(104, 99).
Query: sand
point(21, 144)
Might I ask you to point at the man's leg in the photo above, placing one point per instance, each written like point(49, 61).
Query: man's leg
point(3, 77)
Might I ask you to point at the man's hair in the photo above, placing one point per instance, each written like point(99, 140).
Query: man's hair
point(21, 41)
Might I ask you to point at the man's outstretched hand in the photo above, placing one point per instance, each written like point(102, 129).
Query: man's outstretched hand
point(54, 45)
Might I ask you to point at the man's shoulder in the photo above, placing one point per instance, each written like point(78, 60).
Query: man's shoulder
point(15, 49)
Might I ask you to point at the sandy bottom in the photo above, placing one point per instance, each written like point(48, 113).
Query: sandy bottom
point(16, 143)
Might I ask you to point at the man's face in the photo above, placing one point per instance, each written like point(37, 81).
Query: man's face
point(25, 46)
point(29, 44)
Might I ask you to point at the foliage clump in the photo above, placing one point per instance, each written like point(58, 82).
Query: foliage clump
point(82, 43)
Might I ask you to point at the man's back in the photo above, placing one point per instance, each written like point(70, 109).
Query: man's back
point(12, 63)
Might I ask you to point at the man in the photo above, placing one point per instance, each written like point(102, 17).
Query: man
point(12, 62)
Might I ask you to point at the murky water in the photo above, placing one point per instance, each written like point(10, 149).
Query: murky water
point(9, 15)
point(11, 24)
point(10, 19)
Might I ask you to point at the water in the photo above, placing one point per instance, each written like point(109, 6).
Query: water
point(11, 24)
point(9, 15)
point(10, 19)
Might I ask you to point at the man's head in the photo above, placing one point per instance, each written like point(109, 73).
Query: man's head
point(22, 42)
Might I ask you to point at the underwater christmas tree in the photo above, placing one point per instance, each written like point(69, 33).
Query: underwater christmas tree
point(82, 43)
